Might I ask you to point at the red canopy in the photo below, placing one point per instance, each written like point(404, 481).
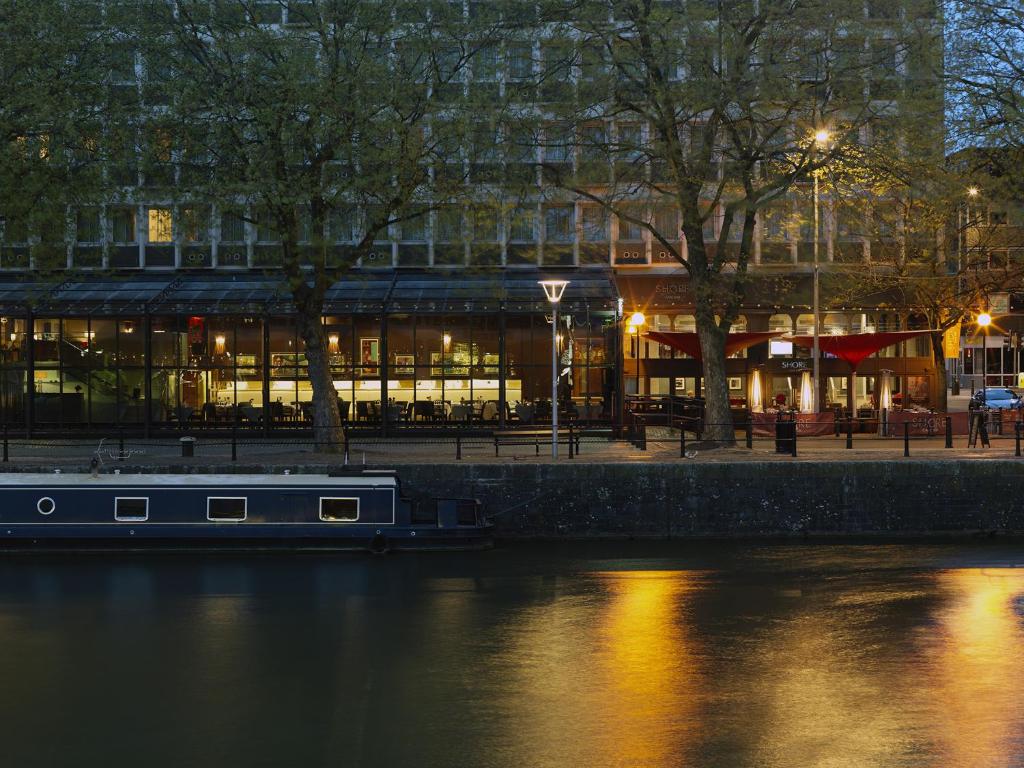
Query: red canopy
point(690, 344)
point(854, 348)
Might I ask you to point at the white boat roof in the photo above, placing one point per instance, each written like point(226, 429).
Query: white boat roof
point(381, 480)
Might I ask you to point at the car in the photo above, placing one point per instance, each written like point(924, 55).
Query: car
point(997, 397)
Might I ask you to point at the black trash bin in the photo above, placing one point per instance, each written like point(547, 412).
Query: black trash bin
point(785, 434)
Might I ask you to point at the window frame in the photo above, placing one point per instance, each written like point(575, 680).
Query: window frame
point(245, 509)
point(134, 519)
point(320, 508)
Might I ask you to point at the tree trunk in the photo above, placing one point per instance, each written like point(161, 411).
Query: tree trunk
point(718, 426)
point(328, 436)
point(939, 355)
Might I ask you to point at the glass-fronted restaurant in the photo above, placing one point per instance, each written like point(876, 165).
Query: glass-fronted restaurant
point(406, 349)
point(773, 375)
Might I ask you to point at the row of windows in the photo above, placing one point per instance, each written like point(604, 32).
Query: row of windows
point(126, 225)
point(135, 509)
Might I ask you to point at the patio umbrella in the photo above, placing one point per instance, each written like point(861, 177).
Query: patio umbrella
point(854, 348)
point(689, 343)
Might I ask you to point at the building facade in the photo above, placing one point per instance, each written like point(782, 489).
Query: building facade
point(165, 312)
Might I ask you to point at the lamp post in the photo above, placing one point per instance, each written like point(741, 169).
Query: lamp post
point(636, 322)
point(554, 289)
point(984, 321)
point(821, 137)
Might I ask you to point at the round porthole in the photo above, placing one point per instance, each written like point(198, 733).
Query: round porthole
point(45, 505)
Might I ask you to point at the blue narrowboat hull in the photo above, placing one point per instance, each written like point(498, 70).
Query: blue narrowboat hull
point(356, 512)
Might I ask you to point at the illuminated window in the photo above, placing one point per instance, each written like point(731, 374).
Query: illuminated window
point(160, 225)
point(334, 510)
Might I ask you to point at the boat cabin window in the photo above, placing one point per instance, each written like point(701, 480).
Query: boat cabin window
point(226, 508)
point(334, 510)
point(131, 508)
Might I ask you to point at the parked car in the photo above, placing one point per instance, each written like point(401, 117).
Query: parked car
point(997, 397)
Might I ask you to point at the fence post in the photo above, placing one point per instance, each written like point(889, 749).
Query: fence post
point(642, 439)
point(234, 436)
point(949, 431)
point(344, 436)
point(849, 431)
point(120, 444)
point(682, 439)
point(570, 440)
point(458, 446)
point(6, 458)
point(906, 438)
point(1016, 438)
point(794, 422)
point(750, 433)
point(885, 422)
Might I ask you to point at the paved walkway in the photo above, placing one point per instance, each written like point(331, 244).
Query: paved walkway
point(661, 446)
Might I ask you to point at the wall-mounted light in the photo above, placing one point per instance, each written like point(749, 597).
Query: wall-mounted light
point(218, 342)
point(332, 344)
point(447, 340)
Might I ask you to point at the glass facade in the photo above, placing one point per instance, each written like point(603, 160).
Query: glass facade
point(186, 371)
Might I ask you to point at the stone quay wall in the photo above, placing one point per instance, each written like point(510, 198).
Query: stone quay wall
point(737, 499)
point(715, 499)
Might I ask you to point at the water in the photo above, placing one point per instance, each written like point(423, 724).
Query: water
point(617, 654)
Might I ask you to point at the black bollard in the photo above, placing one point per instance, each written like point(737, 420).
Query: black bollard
point(949, 431)
point(682, 440)
point(750, 434)
point(1016, 438)
point(849, 432)
point(570, 441)
point(793, 426)
point(234, 437)
point(641, 442)
point(120, 445)
point(458, 446)
point(906, 438)
point(6, 457)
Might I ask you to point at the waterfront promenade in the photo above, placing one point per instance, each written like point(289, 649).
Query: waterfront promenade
point(662, 446)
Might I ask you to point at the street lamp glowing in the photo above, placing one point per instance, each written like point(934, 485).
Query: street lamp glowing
point(636, 320)
point(821, 136)
point(554, 289)
point(984, 320)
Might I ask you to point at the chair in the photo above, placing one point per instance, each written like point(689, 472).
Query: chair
point(249, 413)
point(490, 411)
point(524, 413)
point(462, 412)
point(209, 412)
point(362, 410)
point(343, 409)
point(183, 413)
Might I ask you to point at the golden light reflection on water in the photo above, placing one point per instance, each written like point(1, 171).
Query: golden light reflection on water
point(609, 673)
point(976, 658)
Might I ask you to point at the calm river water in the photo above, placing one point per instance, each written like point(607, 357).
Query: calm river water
point(624, 654)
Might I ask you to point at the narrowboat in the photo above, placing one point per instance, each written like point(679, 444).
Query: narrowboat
point(357, 510)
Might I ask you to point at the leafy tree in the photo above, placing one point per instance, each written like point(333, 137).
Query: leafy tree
point(325, 122)
point(52, 77)
point(706, 112)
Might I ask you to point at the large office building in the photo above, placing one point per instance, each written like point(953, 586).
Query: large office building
point(171, 315)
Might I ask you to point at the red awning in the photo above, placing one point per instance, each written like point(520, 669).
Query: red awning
point(856, 347)
point(690, 344)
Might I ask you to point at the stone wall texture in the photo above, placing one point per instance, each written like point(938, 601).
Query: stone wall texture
point(727, 499)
